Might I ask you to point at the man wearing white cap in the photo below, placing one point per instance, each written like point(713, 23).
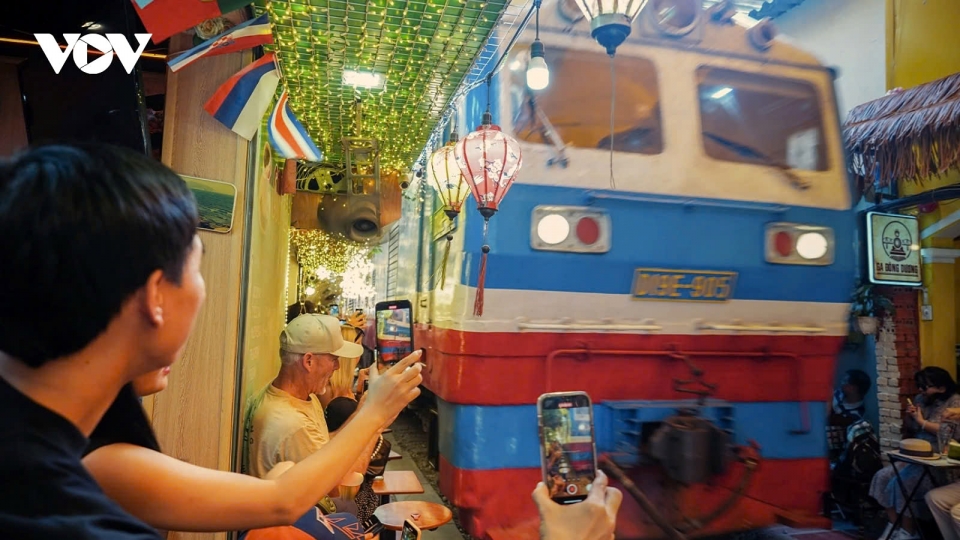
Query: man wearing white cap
point(288, 424)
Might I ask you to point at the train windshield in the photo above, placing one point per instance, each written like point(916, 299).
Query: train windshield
point(580, 96)
point(771, 121)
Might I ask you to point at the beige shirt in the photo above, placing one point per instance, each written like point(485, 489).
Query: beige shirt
point(285, 428)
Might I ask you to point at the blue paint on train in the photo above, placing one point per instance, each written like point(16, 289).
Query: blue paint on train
point(478, 437)
point(657, 235)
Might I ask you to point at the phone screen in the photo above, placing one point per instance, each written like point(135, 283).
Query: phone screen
point(409, 532)
point(335, 310)
point(568, 452)
point(394, 330)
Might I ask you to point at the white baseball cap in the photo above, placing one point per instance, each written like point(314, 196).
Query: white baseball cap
point(314, 333)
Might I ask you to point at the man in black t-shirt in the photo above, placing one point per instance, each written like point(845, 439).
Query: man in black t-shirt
point(99, 283)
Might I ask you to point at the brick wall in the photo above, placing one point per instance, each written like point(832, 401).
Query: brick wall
point(898, 359)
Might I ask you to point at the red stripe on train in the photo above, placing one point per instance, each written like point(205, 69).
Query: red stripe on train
point(515, 368)
point(492, 499)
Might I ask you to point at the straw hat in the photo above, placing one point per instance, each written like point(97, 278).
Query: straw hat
point(918, 448)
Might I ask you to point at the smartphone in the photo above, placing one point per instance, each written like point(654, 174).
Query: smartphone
point(394, 330)
point(372, 526)
point(568, 451)
point(409, 531)
point(335, 310)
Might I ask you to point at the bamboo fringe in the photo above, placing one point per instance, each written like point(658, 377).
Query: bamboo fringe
point(910, 136)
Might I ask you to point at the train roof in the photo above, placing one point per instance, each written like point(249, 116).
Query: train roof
point(737, 36)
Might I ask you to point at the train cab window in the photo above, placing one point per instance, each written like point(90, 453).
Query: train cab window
point(577, 101)
point(750, 118)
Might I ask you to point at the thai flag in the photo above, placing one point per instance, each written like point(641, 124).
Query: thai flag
point(241, 102)
point(288, 136)
point(252, 33)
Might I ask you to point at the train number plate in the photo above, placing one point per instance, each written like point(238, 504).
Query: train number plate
point(683, 285)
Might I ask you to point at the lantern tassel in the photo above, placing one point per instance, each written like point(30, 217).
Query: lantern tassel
point(443, 265)
point(482, 275)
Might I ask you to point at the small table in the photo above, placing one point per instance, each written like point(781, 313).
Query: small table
point(942, 463)
point(397, 483)
point(426, 515)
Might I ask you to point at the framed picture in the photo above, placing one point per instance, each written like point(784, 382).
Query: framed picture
point(215, 203)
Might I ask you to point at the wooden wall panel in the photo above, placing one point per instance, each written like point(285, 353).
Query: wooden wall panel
point(266, 303)
point(194, 416)
point(13, 129)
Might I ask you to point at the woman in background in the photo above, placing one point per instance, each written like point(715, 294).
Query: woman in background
point(938, 392)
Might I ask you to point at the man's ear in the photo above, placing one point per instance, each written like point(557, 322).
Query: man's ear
point(151, 303)
point(308, 361)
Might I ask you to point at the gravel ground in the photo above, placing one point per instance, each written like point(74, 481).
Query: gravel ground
point(409, 432)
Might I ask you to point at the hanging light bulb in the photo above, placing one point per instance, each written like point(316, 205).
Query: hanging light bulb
point(538, 74)
point(610, 20)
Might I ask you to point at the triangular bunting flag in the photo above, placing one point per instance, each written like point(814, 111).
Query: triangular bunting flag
point(252, 33)
point(164, 18)
point(243, 99)
point(288, 136)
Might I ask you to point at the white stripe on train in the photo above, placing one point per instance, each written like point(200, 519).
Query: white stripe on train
point(551, 311)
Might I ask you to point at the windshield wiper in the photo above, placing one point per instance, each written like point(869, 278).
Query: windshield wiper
point(549, 133)
point(753, 153)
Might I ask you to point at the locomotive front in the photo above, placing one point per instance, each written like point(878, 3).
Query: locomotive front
point(692, 275)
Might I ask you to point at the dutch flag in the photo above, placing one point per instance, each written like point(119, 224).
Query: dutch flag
point(253, 33)
point(241, 102)
point(288, 136)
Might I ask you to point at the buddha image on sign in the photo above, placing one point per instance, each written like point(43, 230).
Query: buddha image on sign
point(896, 241)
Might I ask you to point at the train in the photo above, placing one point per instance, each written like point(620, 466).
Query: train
point(686, 257)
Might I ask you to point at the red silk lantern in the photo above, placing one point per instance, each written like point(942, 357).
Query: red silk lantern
point(489, 160)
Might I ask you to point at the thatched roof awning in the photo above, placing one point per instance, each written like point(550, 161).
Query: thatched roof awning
point(910, 135)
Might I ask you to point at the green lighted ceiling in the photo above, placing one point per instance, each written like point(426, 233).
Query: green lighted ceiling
point(424, 49)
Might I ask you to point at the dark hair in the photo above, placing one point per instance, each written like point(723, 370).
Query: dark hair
point(82, 227)
point(338, 411)
point(933, 377)
point(860, 379)
point(293, 311)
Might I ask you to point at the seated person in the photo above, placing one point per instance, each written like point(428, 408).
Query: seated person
point(938, 391)
point(855, 447)
point(288, 423)
point(338, 411)
point(944, 503)
point(848, 399)
point(167, 493)
point(341, 382)
point(114, 232)
point(300, 308)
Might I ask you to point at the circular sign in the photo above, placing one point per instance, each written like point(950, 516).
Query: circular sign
point(896, 241)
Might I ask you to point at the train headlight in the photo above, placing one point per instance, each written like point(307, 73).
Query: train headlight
point(571, 229)
point(792, 243)
point(812, 245)
point(553, 229)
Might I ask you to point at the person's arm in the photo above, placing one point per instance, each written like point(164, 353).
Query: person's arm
point(170, 494)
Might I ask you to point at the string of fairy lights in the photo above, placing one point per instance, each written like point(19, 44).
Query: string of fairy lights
point(334, 261)
point(422, 49)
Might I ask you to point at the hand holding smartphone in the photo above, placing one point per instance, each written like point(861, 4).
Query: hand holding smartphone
point(409, 531)
point(568, 456)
